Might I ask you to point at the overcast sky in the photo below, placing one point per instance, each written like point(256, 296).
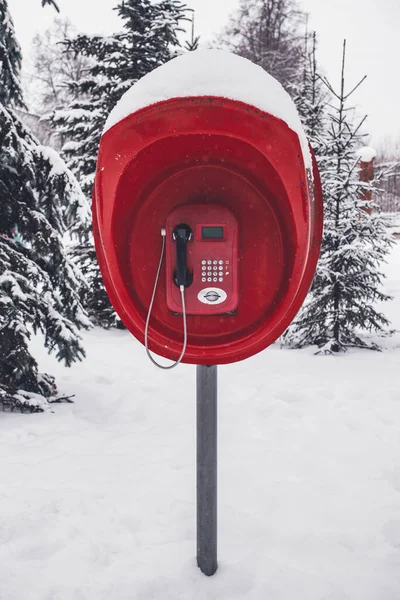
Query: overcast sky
point(372, 36)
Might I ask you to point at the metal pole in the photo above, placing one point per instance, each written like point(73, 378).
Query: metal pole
point(206, 381)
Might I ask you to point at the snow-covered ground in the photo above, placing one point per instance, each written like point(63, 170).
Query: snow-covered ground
point(395, 229)
point(97, 499)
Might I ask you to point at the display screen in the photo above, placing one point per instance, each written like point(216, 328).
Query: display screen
point(212, 233)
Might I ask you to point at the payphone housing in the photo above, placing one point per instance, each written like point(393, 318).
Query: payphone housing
point(211, 257)
point(173, 163)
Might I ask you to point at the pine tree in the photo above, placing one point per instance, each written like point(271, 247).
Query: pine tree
point(309, 96)
point(347, 285)
point(40, 201)
point(192, 44)
point(148, 39)
point(10, 61)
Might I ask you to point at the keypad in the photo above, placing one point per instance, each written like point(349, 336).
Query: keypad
point(214, 270)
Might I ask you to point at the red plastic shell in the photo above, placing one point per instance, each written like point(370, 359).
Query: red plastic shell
point(212, 151)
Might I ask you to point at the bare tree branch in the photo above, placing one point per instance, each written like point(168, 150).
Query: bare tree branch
point(51, 3)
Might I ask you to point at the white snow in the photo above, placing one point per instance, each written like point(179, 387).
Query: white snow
point(366, 154)
point(70, 146)
point(97, 499)
point(32, 399)
point(395, 227)
point(58, 166)
point(9, 278)
point(212, 73)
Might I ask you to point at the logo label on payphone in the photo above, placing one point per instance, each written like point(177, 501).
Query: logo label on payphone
point(212, 296)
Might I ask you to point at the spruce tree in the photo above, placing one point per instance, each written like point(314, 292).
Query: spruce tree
point(10, 61)
point(40, 201)
point(347, 285)
point(310, 97)
point(148, 38)
point(192, 44)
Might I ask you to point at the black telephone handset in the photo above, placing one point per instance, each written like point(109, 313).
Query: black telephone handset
point(182, 234)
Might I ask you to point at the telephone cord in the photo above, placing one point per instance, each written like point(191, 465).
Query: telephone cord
point(146, 331)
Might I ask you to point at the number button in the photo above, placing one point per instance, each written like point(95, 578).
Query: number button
point(221, 278)
point(203, 262)
point(204, 279)
point(209, 278)
point(209, 262)
point(221, 262)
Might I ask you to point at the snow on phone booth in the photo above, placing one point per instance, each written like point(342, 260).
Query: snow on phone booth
point(207, 209)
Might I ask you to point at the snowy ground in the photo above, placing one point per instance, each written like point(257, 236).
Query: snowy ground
point(97, 499)
point(396, 226)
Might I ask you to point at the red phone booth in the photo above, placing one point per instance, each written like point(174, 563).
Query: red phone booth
point(207, 217)
point(229, 189)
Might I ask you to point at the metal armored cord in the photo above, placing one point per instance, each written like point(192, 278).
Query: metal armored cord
point(146, 331)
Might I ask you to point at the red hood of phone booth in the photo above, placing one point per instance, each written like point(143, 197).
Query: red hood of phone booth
point(207, 151)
